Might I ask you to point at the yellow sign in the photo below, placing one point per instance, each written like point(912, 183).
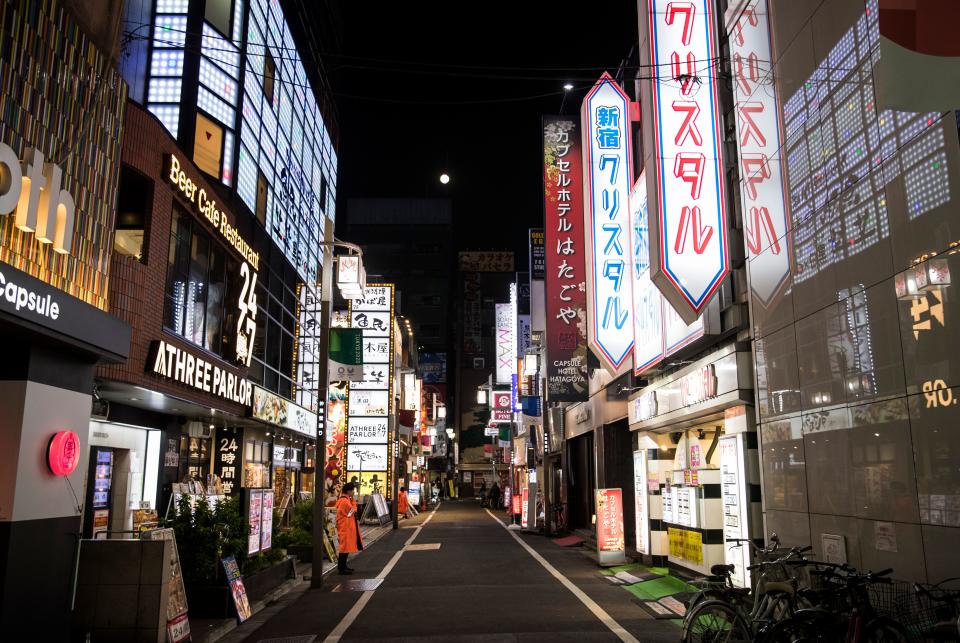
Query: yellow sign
point(687, 545)
point(206, 206)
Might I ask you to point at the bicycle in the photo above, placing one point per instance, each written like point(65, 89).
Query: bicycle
point(849, 609)
point(934, 615)
point(719, 584)
point(739, 614)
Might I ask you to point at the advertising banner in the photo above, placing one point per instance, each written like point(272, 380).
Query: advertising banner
point(641, 509)
point(472, 317)
point(538, 254)
point(506, 342)
point(370, 402)
point(502, 407)
point(685, 184)
point(433, 367)
point(237, 591)
point(610, 538)
point(524, 508)
point(607, 179)
point(254, 515)
point(566, 298)
point(765, 214)
point(658, 330)
point(281, 412)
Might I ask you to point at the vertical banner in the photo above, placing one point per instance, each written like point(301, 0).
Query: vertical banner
point(658, 331)
point(370, 402)
point(733, 484)
point(607, 179)
point(538, 254)
point(765, 213)
point(506, 322)
point(610, 545)
point(566, 299)
point(647, 300)
point(524, 513)
point(688, 211)
point(472, 318)
point(641, 507)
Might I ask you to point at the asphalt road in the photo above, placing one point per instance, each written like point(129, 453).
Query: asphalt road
point(480, 585)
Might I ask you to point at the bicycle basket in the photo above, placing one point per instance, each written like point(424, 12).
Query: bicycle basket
point(895, 599)
point(921, 613)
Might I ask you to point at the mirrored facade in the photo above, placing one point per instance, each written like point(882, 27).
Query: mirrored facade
point(856, 392)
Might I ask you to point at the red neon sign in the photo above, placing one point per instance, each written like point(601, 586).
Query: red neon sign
point(63, 453)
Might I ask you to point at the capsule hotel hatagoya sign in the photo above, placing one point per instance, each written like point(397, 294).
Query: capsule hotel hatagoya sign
point(688, 211)
point(607, 179)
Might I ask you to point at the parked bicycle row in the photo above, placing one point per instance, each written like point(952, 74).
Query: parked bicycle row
point(795, 598)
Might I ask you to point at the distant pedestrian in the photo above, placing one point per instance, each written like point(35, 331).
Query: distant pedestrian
point(348, 531)
point(483, 489)
point(403, 502)
point(495, 496)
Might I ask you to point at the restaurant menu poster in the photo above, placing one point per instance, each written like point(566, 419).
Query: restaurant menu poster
point(255, 508)
point(237, 590)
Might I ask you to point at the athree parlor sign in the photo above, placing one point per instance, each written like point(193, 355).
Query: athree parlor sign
point(179, 365)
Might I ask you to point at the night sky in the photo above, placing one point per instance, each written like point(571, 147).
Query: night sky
point(437, 52)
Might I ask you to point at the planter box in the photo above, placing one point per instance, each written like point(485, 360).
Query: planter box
point(261, 583)
point(214, 601)
point(303, 553)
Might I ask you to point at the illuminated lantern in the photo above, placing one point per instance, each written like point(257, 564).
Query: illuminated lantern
point(63, 453)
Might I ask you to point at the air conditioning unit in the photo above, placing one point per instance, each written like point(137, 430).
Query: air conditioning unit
point(199, 430)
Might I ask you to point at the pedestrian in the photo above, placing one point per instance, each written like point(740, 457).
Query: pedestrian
point(348, 532)
point(483, 489)
point(403, 503)
point(438, 489)
point(495, 496)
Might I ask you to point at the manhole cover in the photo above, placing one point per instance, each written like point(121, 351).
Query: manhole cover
point(423, 547)
point(306, 638)
point(358, 585)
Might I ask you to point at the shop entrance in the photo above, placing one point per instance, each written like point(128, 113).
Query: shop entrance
point(581, 476)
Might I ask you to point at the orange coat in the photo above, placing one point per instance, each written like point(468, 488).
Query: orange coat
point(403, 504)
point(347, 526)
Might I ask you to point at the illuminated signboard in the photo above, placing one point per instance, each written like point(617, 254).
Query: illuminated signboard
point(283, 413)
point(370, 404)
point(184, 367)
point(766, 220)
point(610, 537)
point(506, 342)
point(658, 330)
point(686, 191)
point(566, 299)
point(287, 164)
point(606, 178)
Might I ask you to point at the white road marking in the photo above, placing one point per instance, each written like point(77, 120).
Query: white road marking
point(351, 616)
point(590, 604)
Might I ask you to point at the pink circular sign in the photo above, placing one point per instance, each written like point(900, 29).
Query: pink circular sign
point(63, 454)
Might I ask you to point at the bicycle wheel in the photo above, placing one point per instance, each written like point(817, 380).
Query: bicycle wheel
point(805, 627)
point(715, 622)
point(884, 630)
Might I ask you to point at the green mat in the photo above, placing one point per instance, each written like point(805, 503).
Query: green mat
point(656, 589)
point(610, 571)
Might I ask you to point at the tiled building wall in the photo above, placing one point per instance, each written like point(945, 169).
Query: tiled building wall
point(136, 294)
point(857, 377)
point(60, 95)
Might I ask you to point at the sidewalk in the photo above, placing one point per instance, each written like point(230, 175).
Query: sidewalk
point(214, 630)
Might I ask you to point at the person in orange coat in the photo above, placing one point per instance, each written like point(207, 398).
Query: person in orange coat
point(348, 532)
point(403, 502)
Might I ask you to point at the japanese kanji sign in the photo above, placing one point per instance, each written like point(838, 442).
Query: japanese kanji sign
point(607, 179)
point(689, 257)
point(657, 329)
point(566, 299)
point(370, 401)
point(765, 211)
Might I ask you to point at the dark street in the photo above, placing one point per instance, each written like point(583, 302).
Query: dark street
point(479, 585)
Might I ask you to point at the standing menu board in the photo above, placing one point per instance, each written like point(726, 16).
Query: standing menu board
point(735, 524)
point(260, 517)
point(178, 626)
point(237, 590)
point(610, 537)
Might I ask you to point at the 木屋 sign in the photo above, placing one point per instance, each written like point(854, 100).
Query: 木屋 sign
point(207, 206)
point(182, 366)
